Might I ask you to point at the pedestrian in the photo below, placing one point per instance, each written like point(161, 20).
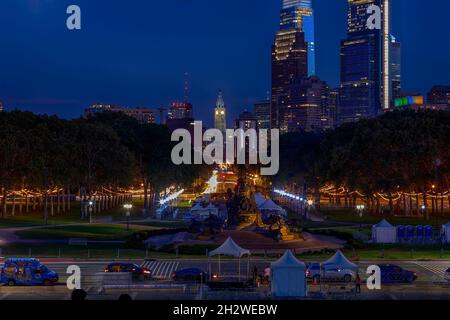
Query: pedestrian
point(255, 274)
point(358, 283)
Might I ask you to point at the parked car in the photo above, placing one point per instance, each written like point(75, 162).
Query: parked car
point(447, 274)
point(190, 274)
point(394, 274)
point(138, 272)
point(28, 272)
point(314, 273)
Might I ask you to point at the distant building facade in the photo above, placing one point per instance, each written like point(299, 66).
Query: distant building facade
point(439, 97)
point(180, 110)
point(261, 110)
point(143, 115)
point(304, 106)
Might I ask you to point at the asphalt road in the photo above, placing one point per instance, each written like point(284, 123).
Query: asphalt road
point(430, 285)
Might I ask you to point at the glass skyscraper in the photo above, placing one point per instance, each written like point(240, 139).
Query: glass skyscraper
point(299, 14)
point(370, 63)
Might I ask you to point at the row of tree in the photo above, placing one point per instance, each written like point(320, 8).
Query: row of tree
point(109, 150)
point(403, 151)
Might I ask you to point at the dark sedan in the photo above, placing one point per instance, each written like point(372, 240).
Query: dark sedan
point(138, 272)
point(190, 274)
point(394, 274)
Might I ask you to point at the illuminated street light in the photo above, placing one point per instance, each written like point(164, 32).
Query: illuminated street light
point(128, 207)
point(360, 209)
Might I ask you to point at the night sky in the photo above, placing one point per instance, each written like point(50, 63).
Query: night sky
point(135, 52)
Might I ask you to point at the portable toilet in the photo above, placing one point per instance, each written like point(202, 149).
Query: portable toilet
point(401, 233)
point(409, 232)
point(419, 232)
point(428, 233)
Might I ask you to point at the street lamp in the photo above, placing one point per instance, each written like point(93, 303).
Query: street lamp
point(128, 207)
point(360, 209)
point(90, 209)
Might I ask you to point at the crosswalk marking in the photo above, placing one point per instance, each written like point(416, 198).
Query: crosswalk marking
point(161, 269)
point(436, 268)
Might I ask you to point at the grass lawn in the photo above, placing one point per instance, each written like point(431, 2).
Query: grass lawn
point(90, 232)
point(91, 252)
point(69, 217)
point(388, 254)
point(346, 215)
point(163, 224)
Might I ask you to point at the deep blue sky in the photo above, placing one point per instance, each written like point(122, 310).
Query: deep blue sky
point(135, 52)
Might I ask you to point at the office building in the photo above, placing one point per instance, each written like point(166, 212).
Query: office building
point(180, 110)
point(370, 63)
point(439, 98)
point(143, 115)
point(303, 106)
point(289, 58)
point(261, 110)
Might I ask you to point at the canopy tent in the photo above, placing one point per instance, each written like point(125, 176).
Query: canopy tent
point(288, 277)
point(259, 198)
point(384, 232)
point(339, 261)
point(198, 211)
point(231, 248)
point(269, 207)
point(446, 232)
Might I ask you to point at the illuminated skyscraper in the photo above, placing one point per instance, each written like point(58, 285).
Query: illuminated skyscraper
point(299, 14)
point(370, 63)
point(289, 60)
point(220, 114)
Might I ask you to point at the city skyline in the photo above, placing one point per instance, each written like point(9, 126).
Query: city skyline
point(48, 86)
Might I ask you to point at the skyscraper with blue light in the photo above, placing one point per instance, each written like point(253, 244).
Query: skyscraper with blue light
point(299, 14)
point(370, 63)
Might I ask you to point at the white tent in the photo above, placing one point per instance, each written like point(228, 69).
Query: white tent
point(288, 277)
point(259, 199)
point(384, 232)
point(269, 207)
point(446, 232)
point(204, 212)
point(231, 248)
point(339, 261)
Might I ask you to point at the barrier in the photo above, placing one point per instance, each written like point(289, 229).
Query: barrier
point(78, 242)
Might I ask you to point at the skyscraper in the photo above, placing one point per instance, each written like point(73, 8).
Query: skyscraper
point(289, 59)
point(261, 109)
point(370, 63)
point(220, 114)
point(300, 14)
